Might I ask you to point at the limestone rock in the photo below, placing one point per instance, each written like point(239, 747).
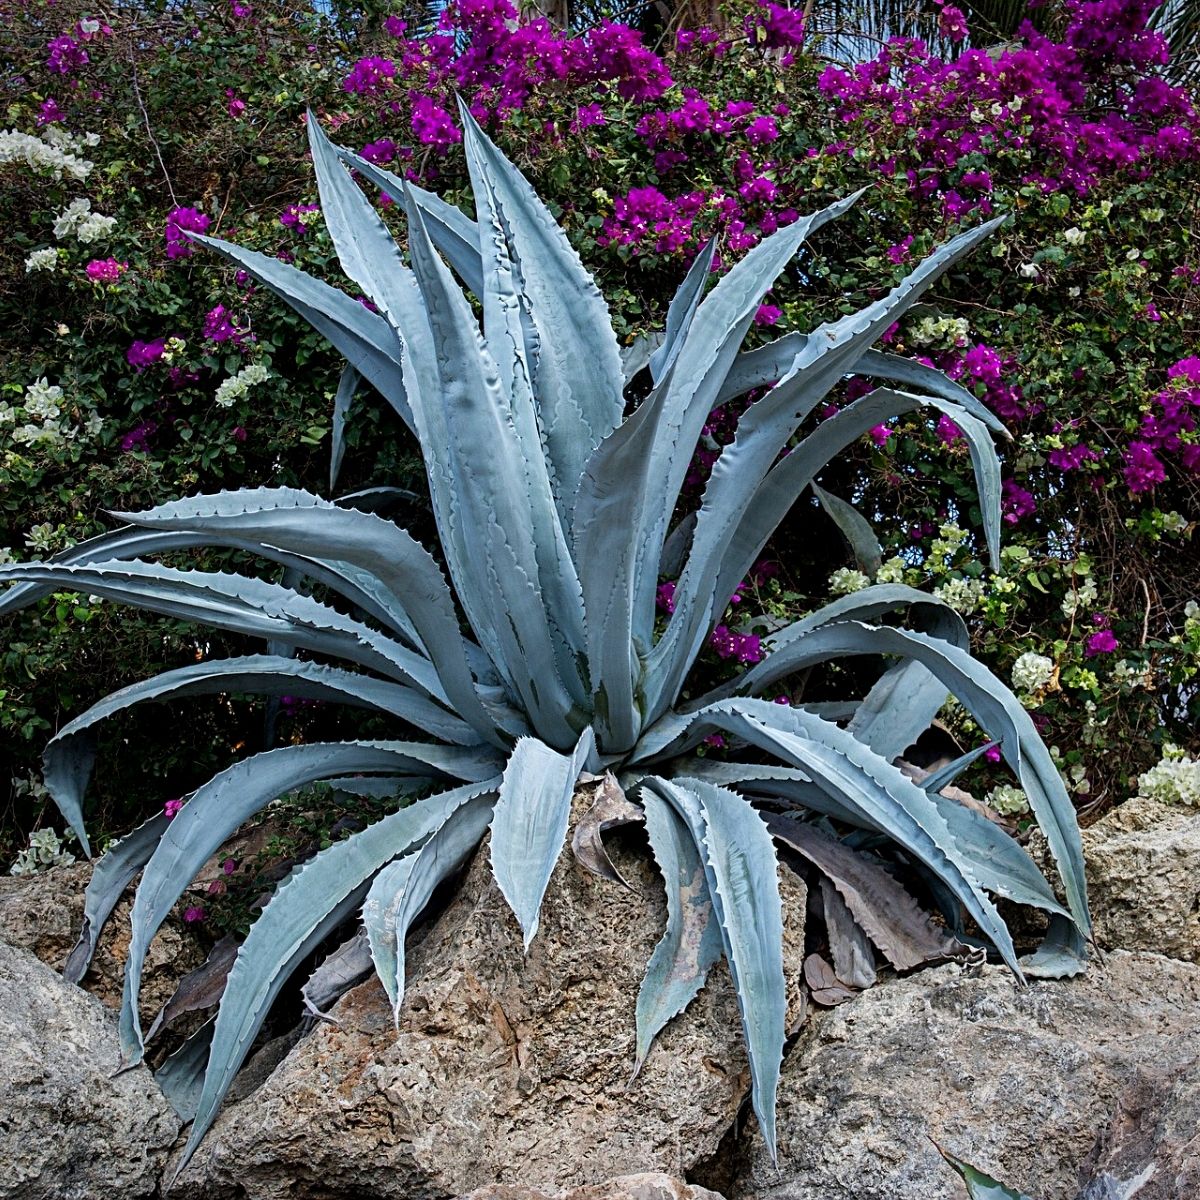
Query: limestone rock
point(649, 1185)
point(43, 914)
point(1143, 871)
point(1018, 1082)
point(69, 1129)
point(506, 1069)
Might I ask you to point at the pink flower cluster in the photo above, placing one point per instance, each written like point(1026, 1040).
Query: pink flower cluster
point(180, 222)
point(105, 270)
point(1167, 430)
point(1091, 104)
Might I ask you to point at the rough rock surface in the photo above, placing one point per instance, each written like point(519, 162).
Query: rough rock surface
point(1153, 1139)
point(43, 914)
point(69, 1130)
point(506, 1069)
point(1018, 1082)
point(649, 1185)
point(1143, 871)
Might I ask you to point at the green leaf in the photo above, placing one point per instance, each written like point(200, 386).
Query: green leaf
point(111, 875)
point(218, 807)
point(856, 529)
point(691, 942)
point(308, 906)
point(347, 386)
point(740, 861)
point(979, 1185)
point(530, 823)
point(403, 888)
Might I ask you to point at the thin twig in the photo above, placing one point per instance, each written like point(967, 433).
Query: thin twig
point(1146, 614)
point(137, 92)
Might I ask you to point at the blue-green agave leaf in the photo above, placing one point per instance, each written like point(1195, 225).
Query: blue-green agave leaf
point(362, 337)
point(530, 823)
point(242, 604)
point(577, 372)
point(1062, 954)
point(945, 776)
point(365, 247)
point(859, 778)
point(347, 386)
point(454, 233)
point(682, 310)
point(770, 363)
point(217, 808)
point(744, 467)
point(986, 467)
point(635, 357)
point(403, 888)
point(308, 905)
point(775, 495)
point(856, 529)
point(691, 942)
point(514, 342)
point(488, 472)
point(341, 969)
point(127, 543)
point(740, 856)
point(70, 755)
point(305, 524)
point(771, 781)
point(111, 875)
point(991, 704)
point(181, 1077)
point(680, 405)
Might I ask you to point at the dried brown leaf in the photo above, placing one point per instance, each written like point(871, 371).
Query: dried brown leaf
point(823, 984)
point(201, 988)
point(609, 809)
point(850, 948)
point(907, 936)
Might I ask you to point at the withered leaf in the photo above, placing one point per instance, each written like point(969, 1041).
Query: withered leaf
point(824, 985)
point(905, 934)
point(853, 957)
point(201, 988)
point(610, 809)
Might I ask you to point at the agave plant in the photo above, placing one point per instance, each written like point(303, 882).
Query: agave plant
point(539, 657)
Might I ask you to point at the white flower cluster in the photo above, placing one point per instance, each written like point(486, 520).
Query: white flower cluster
point(1133, 675)
point(54, 152)
point(1083, 596)
point(37, 421)
point(846, 580)
point(44, 850)
point(42, 260)
point(1031, 672)
point(944, 547)
point(236, 386)
point(1008, 801)
point(963, 595)
point(78, 220)
point(1175, 780)
point(892, 571)
point(945, 332)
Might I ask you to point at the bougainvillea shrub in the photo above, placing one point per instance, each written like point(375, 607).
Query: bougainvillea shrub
point(137, 367)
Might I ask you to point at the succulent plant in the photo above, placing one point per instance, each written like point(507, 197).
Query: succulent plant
point(538, 657)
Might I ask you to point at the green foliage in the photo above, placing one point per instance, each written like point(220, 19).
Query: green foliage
point(541, 657)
